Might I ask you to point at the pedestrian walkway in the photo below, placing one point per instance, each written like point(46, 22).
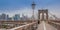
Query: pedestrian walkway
point(45, 26)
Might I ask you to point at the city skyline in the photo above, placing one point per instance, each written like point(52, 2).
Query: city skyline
point(15, 17)
point(13, 7)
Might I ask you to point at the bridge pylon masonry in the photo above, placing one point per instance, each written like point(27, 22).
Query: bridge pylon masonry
point(42, 12)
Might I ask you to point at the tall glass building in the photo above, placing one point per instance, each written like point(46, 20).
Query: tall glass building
point(16, 17)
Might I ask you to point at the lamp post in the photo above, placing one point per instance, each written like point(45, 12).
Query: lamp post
point(33, 7)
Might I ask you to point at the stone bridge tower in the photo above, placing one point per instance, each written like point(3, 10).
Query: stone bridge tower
point(43, 11)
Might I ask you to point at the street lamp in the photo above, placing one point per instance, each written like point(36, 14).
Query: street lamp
point(33, 7)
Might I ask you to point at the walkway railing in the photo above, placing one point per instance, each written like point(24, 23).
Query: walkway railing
point(30, 26)
point(55, 24)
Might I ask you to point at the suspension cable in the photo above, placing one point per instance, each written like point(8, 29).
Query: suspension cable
point(52, 15)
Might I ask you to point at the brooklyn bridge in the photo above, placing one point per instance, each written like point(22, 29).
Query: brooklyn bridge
point(40, 24)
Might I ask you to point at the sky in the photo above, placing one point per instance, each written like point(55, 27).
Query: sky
point(13, 7)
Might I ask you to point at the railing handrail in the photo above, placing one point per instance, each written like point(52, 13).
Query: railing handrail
point(23, 26)
point(55, 23)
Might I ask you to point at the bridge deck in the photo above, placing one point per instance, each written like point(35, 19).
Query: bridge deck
point(45, 26)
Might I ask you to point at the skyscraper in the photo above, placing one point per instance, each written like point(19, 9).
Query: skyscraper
point(8, 18)
point(24, 17)
point(17, 17)
point(3, 16)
